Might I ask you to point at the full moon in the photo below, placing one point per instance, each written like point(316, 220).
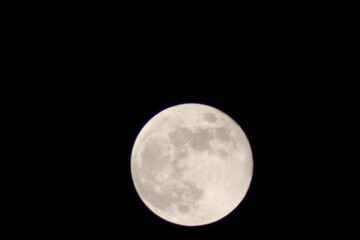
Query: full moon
point(191, 164)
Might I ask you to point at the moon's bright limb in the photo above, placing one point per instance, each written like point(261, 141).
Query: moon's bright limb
point(191, 164)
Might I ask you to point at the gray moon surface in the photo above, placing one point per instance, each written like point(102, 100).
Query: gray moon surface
point(191, 164)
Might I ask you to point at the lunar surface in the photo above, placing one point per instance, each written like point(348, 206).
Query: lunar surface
point(191, 164)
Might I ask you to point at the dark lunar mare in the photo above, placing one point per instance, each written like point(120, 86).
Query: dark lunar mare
point(183, 193)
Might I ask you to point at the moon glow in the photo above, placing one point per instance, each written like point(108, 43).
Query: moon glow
point(191, 164)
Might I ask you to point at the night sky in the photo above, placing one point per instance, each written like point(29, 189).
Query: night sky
point(97, 87)
point(102, 197)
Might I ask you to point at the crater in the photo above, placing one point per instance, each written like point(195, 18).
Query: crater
point(180, 154)
point(183, 209)
point(187, 195)
point(154, 157)
point(194, 193)
point(209, 117)
point(200, 140)
point(179, 167)
point(179, 136)
point(157, 198)
point(223, 154)
point(223, 134)
point(183, 194)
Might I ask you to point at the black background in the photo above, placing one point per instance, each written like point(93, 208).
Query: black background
point(105, 199)
point(98, 78)
point(99, 123)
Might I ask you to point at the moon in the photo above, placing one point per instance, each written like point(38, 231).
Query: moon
point(191, 164)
